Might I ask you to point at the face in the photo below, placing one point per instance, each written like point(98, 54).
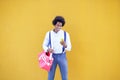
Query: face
point(58, 26)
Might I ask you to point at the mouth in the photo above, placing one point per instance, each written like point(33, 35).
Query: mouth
point(58, 29)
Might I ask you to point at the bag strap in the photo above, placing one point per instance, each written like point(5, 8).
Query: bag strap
point(50, 39)
point(50, 45)
point(63, 49)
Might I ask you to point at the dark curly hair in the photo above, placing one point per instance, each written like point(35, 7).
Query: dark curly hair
point(58, 19)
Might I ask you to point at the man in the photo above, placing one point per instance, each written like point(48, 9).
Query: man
point(60, 43)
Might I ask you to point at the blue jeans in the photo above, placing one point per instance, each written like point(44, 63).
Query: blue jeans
point(61, 61)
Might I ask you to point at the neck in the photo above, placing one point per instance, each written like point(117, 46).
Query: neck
point(55, 30)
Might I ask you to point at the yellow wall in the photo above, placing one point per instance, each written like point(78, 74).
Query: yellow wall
point(94, 26)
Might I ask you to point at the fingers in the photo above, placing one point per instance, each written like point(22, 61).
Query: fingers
point(50, 50)
point(63, 43)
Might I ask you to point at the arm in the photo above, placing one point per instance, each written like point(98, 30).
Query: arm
point(45, 42)
point(68, 43)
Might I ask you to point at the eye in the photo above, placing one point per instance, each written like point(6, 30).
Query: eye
point(59, 25)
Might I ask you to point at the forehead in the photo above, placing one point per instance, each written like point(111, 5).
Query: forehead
point(60, 23)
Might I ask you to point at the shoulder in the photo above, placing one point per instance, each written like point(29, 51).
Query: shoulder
point(50, 31)
point(66, 32)
point(47, 33)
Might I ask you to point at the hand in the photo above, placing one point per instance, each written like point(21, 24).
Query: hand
point(50, 50)
point(62, 42)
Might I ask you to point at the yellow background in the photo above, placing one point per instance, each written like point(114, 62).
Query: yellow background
point(94, 26)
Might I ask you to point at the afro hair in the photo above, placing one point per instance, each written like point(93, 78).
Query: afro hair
point(59, 19)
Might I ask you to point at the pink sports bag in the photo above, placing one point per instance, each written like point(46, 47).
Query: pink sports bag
point(45, 60)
